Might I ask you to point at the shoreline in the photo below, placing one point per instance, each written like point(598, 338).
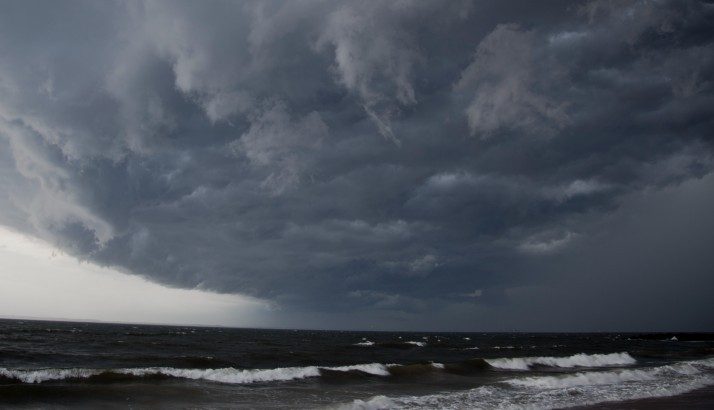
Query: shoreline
point(696, 399)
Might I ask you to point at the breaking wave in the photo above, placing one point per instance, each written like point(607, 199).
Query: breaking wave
point(577, 360)
point(581, 389)
point(224, 375)
point(604, 378)
point(396, 344)
point(472, 366)
point(246, 376)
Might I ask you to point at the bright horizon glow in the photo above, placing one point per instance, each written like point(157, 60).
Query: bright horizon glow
point(38, 281)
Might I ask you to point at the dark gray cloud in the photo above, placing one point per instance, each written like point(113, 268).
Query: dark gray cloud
point(373, 160)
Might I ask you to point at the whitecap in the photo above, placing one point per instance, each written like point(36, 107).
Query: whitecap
point(43, 375)
point(223, 375)
point(581, 389)
point(577, 360)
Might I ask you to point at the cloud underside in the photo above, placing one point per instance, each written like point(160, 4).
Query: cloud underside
point(346, 155)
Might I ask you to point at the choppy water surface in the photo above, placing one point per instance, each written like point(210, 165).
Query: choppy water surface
point(60, 364)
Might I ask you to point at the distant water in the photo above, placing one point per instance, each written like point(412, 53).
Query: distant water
point(57, 364)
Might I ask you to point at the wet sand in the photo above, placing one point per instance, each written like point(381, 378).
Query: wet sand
point(697, 399)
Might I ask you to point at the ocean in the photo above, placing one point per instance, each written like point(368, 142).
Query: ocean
point(92, 365)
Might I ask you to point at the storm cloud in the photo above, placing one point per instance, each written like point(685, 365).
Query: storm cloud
point(377, 161)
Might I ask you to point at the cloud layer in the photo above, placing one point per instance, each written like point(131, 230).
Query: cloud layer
point(342, 156)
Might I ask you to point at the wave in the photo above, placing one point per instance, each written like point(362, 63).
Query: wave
point(237, 376)
point(246, 376)
point(223, 375)
point(414, 370)
point(42, 375)
point(603, 378)
point(577, 360)
point(581, 389)
point(399, 344)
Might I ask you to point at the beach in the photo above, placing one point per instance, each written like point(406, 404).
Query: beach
point(697, 399)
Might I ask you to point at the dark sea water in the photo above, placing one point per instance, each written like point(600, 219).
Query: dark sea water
point(62, 364)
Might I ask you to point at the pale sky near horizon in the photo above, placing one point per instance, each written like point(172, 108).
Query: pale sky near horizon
point(41, 282)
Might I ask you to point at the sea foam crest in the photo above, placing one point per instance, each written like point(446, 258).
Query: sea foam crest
point(43, 375)
point(559, 392)
point(583, 379)
point(224, 375)
point(603, 378)
point(376, 369)
point(229, 375)
point(577, 360)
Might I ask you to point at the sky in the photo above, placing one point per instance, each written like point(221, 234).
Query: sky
point(410, 165)
point(40, 282)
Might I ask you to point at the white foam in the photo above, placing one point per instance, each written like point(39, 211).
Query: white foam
point(704, 363)
point(43, 375)
point(608, 377)
point(223, 375)
point(230, 375)
point(584, 379)
point(420, 344)
point(376, 369)
point(558, 392)
point(375, 403)
point(365, 343)
point(578, 360)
